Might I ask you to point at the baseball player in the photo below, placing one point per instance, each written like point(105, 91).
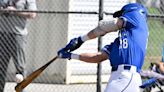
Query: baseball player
point(13, 34)
point(154, 74)
point(154, 77)
point(126, 53)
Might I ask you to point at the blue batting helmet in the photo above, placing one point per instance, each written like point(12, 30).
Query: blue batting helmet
point(129, 8)
point(133, 7)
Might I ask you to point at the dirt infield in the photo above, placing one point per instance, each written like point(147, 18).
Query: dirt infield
point(35, 87)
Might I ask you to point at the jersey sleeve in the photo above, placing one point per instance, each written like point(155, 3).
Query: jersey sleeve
point(129, 21)
point(107, 48)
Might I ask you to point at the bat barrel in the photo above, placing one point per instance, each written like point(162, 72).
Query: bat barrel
point(19, 87)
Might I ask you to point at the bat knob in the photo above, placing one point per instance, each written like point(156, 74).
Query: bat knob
point(18, 88)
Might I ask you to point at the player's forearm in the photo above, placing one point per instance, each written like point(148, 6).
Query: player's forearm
point(157, 63)
point(91, 35)
point(97, 32)
point(90, 57)
point(28, 15)
point(161, 67)
point(105, 27)
point(94, 33)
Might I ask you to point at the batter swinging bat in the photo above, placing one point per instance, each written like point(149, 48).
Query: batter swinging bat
point(19, 87)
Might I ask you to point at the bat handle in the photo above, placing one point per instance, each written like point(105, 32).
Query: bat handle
point(18, 89)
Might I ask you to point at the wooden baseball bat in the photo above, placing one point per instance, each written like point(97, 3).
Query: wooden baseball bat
point(20, 86)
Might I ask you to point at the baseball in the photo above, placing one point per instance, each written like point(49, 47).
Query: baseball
point(19, 78)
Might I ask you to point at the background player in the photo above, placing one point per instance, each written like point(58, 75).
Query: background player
point(13, 33)
point(154, 75)
point(126, 53)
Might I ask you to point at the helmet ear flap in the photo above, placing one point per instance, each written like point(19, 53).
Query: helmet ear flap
point(118, 13)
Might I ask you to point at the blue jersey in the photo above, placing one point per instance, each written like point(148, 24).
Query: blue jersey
point(130, 46)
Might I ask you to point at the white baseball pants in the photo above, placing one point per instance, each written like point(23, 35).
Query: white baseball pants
point(123, 80)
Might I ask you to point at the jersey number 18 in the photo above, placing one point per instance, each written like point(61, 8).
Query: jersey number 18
point(124, 43)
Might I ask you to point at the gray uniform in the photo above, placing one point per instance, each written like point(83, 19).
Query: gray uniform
point(13, 37)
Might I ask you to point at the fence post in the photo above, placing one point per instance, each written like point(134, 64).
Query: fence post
point(99, 66)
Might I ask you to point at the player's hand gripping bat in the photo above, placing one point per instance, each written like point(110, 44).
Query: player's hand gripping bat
point(19, 87)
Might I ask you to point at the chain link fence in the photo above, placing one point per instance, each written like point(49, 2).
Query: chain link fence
point(57, 22)
point(156, 21)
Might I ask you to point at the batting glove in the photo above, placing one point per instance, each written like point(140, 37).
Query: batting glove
point(73, 44)
point(64, 54)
